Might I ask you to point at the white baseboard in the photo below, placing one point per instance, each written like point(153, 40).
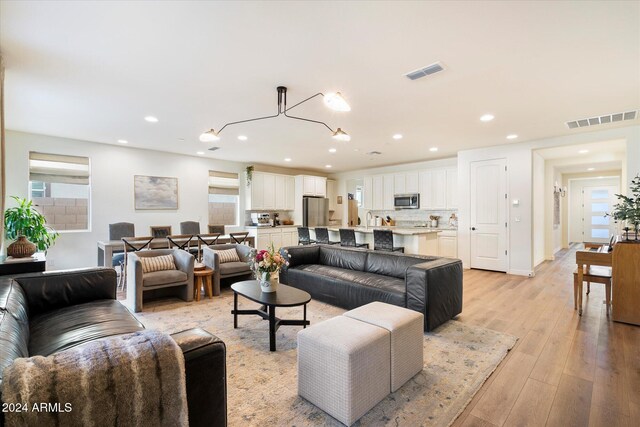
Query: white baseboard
point(527, 273)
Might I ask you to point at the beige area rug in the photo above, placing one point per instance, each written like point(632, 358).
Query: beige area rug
point(262, 385)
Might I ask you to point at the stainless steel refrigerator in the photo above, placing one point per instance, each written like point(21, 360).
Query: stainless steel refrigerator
point(315, 211)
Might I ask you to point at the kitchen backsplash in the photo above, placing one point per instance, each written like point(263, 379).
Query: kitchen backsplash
point(283, 215)
point(411, 217)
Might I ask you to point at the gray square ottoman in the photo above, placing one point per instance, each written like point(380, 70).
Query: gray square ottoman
point(407, 335)
point(344, 367)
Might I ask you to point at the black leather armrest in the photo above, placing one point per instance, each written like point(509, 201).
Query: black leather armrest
point(206, 375)
point(434, 288)
point(57, 289)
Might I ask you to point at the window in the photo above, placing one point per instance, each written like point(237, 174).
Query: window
point(224, 198)
point(59, 187)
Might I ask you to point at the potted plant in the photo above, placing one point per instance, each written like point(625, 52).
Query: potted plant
point(267, 265)
point(29, 228)
point(249, 174)
point(628, 208)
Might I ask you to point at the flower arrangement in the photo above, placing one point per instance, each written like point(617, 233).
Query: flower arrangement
point(267, 264)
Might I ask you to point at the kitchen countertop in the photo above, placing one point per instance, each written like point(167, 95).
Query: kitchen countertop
point(267, 227)
point(404, 231)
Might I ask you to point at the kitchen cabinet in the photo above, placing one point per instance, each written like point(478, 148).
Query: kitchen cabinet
point(279, 237)
point(448, 244)
point(378, 193)
point(452, 188)
point(290, 193)
point(367, 188)
point(270, 191)
point(388, 192)
point(314, 186)
point(433, 189)
point(406, 183)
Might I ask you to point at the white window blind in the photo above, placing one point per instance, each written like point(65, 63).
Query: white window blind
point(55, 168)
point(224, 183)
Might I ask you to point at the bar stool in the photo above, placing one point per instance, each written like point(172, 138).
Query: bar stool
point(304, 238)
point(322, 236)
point(383, 241)
point(348, 238)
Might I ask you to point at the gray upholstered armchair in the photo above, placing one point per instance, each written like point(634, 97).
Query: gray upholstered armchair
point(178, 282)
point(227, 269)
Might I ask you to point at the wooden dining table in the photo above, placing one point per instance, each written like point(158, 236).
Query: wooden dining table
point(106, 248)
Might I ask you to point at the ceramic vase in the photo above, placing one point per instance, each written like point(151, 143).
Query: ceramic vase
point(21, 248)
point(269, 281)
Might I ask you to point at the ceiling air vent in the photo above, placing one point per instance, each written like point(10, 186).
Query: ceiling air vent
point(602, 120)
point(374, 153)
point(214, 148)
point(426, 71)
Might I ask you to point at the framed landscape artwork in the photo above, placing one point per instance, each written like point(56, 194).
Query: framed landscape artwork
point(155, 192)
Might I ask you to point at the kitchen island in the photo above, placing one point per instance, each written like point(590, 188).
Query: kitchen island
point(414, 240)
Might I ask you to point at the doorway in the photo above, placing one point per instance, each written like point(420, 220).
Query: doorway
point(488, 217)
point(596, 203)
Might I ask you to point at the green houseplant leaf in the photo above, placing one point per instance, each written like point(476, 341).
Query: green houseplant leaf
point(628, 207)
point(25, 220)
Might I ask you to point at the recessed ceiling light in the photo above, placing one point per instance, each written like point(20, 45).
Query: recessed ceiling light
point(288, 159)
point(397, 136)
point(327, 166)
point(151, 119)
point(356, 149)
point(486, 118)
point(199, 153)
point(123, 141)
point(512, 136)
point(433, 149)
point(332, 150)
point(583, 151)
point(242, 137)
point(591, 169)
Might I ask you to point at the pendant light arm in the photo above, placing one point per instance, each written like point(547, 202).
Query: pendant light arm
point(301, 102)
point(307, 120)
point(248, 120)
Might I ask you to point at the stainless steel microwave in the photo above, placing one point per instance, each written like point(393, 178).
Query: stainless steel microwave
point(406, 201)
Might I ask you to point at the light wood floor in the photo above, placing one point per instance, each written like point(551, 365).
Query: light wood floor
point(564, 370)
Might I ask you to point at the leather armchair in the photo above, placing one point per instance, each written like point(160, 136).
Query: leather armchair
point(228, 269)
point(159, 283)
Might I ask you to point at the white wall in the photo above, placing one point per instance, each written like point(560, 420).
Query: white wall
point(520, 186)
point(538, 209)
point(112, 171)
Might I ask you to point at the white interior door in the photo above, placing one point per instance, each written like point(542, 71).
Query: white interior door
point(596, 202)
point(488, 188)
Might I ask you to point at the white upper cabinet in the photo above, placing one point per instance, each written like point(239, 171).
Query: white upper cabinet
point(452, 188)
point(388, 192)
point(378, 193)
point(440, 189)
point(271, 191)
point(399, 183)
point(290, 193)
point(367, 199)
point(314, 186)
point(412, 182)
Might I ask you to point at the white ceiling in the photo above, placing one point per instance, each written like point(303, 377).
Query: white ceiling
point(580, 158)
point(93, 70)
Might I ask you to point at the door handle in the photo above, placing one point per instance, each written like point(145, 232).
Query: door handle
point(473, 229)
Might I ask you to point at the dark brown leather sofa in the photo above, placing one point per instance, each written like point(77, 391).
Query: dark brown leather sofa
point(44, 313)
point(349, 278)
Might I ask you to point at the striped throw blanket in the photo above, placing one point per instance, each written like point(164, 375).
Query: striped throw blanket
point(128, 380)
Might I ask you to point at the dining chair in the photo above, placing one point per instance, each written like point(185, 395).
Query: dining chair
point(117, 231)
point(216, 229)
point(160, 231)
point(239, 237)
point(322, 236)
point(383, 241)
point(304, 238)
point(206, 240)
point(180, 241)
point(348, 238)
point(190, 227)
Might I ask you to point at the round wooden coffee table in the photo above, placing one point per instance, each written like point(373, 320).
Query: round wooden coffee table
point(202, 277)
point(285, 296)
